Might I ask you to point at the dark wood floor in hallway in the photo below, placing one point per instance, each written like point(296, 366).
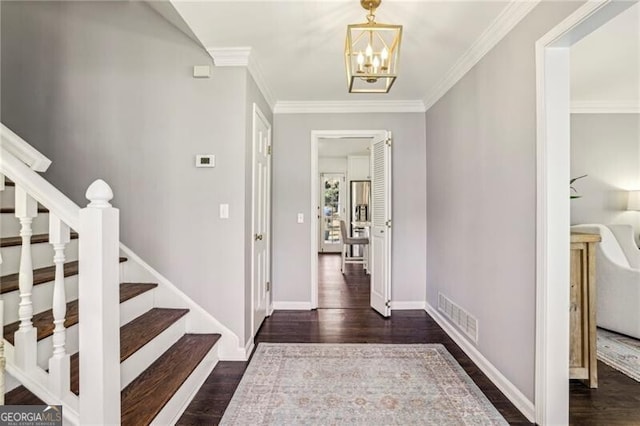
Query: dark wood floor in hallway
point(347, 318)
point(337, 290)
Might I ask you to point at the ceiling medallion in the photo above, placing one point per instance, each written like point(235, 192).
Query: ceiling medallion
point(371, 53)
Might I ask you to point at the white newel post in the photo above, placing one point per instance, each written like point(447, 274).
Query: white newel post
point(59, 366)
point(99, 308)
point(25, 337)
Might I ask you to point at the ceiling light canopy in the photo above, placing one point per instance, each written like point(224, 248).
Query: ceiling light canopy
point(371, 53)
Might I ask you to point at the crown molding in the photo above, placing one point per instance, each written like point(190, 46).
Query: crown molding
point(258, 76)
point(510, 16)
point(341, 107)
point(230, 56)
point(605, 107)
point(241, 57)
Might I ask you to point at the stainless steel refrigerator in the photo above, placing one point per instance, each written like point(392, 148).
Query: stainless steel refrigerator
point(360, 196)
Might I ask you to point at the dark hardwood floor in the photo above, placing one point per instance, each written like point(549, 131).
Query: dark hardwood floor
point(350, 323)
point(615, 402)
point(337, 290)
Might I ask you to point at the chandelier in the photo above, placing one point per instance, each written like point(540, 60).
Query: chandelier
point(371, 53)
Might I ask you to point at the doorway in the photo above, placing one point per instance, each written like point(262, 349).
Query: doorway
point(552, 239)
point(341, 169)
point(260, 220)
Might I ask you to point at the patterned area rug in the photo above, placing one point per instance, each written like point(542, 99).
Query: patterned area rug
point(366, 384)
point(620, 352)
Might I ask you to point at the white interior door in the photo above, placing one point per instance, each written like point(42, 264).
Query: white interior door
point(261, 212)
point(332, 211)
point(380, 232)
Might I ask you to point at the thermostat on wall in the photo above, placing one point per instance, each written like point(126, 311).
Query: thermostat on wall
point(205, 160)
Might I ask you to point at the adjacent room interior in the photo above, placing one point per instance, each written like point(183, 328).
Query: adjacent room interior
point(345, 193)
point(605, 211)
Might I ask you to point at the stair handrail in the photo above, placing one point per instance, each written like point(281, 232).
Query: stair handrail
point(98, 286)
point(39, 188)
point(22, 150)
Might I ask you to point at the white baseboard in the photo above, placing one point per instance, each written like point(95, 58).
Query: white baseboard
point(230, 353)
point(514, 395)
point(397, 305)
point(249, 348)
point(292, 306)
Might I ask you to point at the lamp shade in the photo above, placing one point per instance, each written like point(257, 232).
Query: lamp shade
point(634, 200)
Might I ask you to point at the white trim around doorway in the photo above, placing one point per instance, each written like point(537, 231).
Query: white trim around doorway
point(316, 135)
point(553, 209)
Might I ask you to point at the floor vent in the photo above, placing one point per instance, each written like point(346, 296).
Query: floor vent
point(460, 317)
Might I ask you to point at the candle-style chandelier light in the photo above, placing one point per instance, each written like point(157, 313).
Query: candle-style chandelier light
point(371, 53)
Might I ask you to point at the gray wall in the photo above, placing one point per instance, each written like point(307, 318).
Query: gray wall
point(105, 90)
point(292, 195)
point(606, 147)
point(481, 195)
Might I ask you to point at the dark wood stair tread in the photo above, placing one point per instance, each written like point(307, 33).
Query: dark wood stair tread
point(12, 210)
point(133, 336)
point(145, 328)
point(131, 290)
point(41, 275)
point(146, 395)
point(21, 396)
point(7, 182)
point(35, 239)
point(43, 321)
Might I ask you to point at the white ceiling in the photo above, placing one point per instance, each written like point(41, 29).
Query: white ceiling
point(343, 147)
point(605, 65)
point(299, 44)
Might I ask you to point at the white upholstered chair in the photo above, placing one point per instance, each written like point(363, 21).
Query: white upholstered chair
point(617, 278)
point(348, 241)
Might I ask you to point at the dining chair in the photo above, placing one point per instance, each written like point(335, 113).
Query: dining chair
point(347, 241)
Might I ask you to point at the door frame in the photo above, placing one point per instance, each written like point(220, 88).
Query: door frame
point(316, 135)
point(553, 208)
point(257, 113)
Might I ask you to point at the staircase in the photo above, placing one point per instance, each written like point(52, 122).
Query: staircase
point(65, 294)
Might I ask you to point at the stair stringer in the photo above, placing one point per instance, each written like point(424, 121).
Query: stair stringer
point(169, 296)
point(36, 381)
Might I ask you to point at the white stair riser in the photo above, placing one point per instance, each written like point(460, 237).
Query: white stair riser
point(10, 225)
point(45, 346)
point(42, 298)
point(173, 409)
point(145, 356)
point(133, 308)
point(41, 254)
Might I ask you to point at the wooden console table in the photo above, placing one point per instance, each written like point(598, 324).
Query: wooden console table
point(582, 323)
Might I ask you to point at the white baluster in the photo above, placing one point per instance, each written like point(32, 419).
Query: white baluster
point(25, 337)
point(59, 366)
point(99, 308)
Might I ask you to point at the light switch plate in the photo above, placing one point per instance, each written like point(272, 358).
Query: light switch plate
point(224, 211)
point(300, 217)
point(205, 160)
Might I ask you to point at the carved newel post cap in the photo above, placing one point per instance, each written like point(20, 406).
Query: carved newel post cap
point(99, 194)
